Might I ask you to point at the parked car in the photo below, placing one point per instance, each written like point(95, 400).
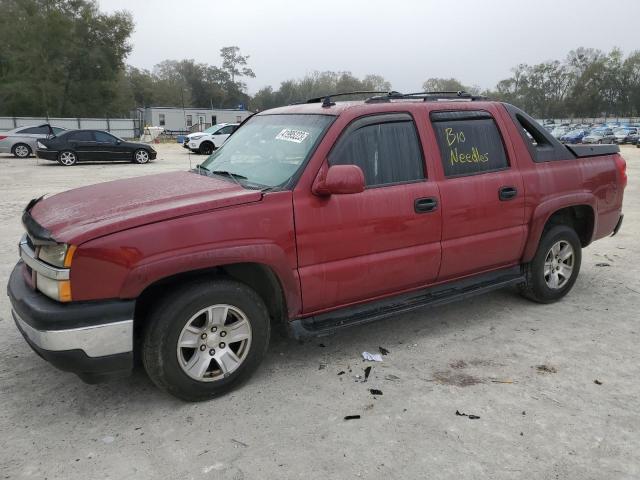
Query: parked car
point(76, 146)
point(559, 131)
point(207, 141)
point(574, 136)
point(311, 218)
point(22, 141)
point(625, 135)
point(600, 135)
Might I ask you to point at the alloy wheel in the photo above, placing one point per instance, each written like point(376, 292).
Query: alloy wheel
point(214, 343)
point(21, 151)
point(67, 158)
point(142, 156)
point(558, 265)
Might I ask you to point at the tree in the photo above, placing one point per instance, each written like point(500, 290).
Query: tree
point(61, 57)
point(443, 85)
point(235, 64)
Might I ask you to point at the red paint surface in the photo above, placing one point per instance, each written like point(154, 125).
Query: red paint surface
point(327, 251)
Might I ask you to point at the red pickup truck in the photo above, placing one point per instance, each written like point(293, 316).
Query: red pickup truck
point(311, 217)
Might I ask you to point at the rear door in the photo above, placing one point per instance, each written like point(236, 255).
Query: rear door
point(384, 240)
point(84, 144)
point(482, 195)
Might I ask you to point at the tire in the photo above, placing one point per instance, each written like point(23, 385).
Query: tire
point(67, 158)
point(539, 286)
point(141, 156)
point(599, 141)
point(189, 372)
point(21, 150)
point(206, 148)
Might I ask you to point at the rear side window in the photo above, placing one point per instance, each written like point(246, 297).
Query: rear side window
point(44, 130)
point(388, 152)
point(470, 143)
point(82, 136)
point(228, 130)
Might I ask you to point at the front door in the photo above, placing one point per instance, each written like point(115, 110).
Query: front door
point(482, 195)
point(109, 147)
point(221, 135)
point(385, 240)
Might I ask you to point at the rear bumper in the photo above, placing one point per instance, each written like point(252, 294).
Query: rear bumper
point(47, 154)
point(91, 339)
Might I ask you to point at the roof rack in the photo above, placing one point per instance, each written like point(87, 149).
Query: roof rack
point(326, 99)
point(426, 96)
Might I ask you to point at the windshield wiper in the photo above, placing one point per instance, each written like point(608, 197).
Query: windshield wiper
point(233, 176)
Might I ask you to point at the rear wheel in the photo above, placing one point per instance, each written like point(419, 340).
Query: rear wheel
point(205, 339)
point(555, 267)
point(141, 156)
point(67, 158)
point(21, 150)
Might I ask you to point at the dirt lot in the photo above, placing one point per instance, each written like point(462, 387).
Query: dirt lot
point(483, 357)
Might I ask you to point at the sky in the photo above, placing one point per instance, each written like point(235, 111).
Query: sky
point(405, 41)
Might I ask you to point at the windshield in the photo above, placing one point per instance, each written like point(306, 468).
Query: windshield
point(269, 149)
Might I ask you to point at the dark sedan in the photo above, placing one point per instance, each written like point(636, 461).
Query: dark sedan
point(76, 146)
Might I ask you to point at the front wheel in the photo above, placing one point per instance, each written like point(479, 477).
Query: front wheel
point(205, 339)
point(141, 156)
point(554, 269)
point(206, 148)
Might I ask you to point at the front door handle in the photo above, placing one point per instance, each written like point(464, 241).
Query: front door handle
point(424, 205)
point(507, 193)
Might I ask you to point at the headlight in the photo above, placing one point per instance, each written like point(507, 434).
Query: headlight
point(41, 146)
point(59, 255)
point(197, 137)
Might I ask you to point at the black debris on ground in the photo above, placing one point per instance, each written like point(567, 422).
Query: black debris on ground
point(603, 264)
point(384, 351)
point(322, 366)
point(341, 372)
point(352, 417)
point(375, 391)
point(322, 345)
point(469, 416)
point(367, 371)
point(546, 369)
point(597, 382)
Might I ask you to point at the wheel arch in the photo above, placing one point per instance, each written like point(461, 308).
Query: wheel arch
point(577, 212)
point(258, 276)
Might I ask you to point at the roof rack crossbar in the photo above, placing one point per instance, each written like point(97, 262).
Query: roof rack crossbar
point(326, 99)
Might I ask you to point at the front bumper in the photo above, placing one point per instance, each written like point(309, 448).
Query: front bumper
point(47, 154)
point(152, 155)
point(91, 339)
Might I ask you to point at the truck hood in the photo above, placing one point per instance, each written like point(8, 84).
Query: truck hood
point(82, 214)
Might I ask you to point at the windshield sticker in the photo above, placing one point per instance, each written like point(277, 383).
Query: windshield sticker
point(289, 135)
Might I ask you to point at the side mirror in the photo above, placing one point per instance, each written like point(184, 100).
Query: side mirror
point(118, 142)
point(339, 180)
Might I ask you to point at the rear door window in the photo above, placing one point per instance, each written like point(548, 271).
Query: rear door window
point(469, 142)
point(42, 130)
point(82, 136)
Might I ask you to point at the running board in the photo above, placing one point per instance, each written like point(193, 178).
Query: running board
point(329, 323)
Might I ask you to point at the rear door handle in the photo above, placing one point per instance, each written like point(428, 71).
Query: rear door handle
point(424, 205)
point(507, 193)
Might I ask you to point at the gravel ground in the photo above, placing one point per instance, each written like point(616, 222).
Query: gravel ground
point(528, 371)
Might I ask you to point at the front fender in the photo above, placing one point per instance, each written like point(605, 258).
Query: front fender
point(270, 255)
point(543, 212)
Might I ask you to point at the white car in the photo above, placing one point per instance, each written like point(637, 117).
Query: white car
point(207, 141)
point(22, 141)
